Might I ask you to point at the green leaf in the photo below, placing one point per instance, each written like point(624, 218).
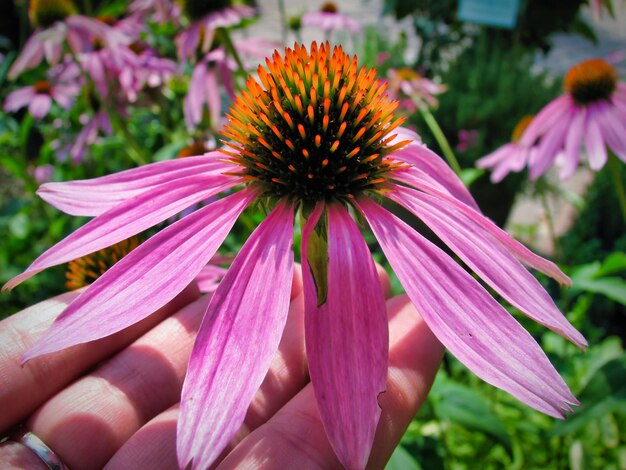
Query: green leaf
point(605, 393)
point(401, 459)
point(613, 287)
point(614, 263)
point(469, 175)
point(461, 405)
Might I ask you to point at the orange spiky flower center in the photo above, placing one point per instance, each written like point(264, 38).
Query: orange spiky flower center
point(315, 128)
point(329, 7)
point(43, 87)
point(591, 80)
point(44, 13)
point(521, 126)
point(83, 271)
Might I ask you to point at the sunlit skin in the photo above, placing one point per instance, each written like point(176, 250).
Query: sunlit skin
point(315, 128)
point(591, 80)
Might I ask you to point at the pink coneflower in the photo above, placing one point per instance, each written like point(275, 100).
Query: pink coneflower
point(509, 157)
point(206, 18)
point(204, 90)
point(593, 112)
point(56, 24)
point(42, 173)
point(93, 126)
point(39, 97)
point(329, 19)
point(316, 135)
point(468, 139)
point(160, 10)
point(407, 83)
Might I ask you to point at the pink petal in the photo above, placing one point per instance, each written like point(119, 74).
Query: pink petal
point(195, 99)
point(213, 98)
point(209, 278)
point(95, 196)
point(488, 258)
point(125, 220)
point(19, 98)
point(39, 106)
point(573, 141)
point(613, 131)
point(550, 145)
point(552, 113)
point(429, 169)
point(466, 319)
point(237, 340)
point(146, 279)
point(347, 339)
point(513, 246)
point(594, 143)
point(31, 56)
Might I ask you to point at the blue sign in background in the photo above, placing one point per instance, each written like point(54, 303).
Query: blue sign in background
point(491, 12)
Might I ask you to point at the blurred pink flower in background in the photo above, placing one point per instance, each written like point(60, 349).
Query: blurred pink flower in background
point(509, 157)
point(159, 11)
point(39, 97)
point(592, 111)
point(42, 173)
point(468, 139)
point(199, 34)
point(407, 83)
point(92, 127)
point(330, 19)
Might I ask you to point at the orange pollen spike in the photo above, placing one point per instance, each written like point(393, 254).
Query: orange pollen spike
point(353, 153)
point(318, 140)
point(334, 146)
point(344, 110)
point(305, 152)
point(326, 105)
point(324, 162)
point(301, 131)
point(288, 119)
point(290, 145)
point(342, 129)
point(299, 104)
point(311, 113)
point(325, 122)
point(359, 134)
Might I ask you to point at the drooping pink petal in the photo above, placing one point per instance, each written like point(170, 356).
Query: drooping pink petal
point(19, 98)
point(195, 99)
point(594, 143)
point(547, 117)
point(428, 168)
point(146, 279)
point(466, 319)
point(550, 145)
point(613, 131)
point(573, 142)
point(40, 105)
point(516, 248)
point(95, 196)
point(488, 258)
point(214, 101)
point(347, 339)
point(237, 340)
point(30, 57)
point(127, 219)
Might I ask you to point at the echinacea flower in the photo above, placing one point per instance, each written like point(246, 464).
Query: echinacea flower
point(407, 83)
point(39, 97)
point(329, 19)
point(316, 134)
point(56, 24)
point(592, 111)
point(206, 18)
point(509, 157)
point(92, 127)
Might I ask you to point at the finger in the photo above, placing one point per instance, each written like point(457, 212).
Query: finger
point(121, 395)
point(16, 456)
point(295, 436)
point(26, 387)
point(154, 445)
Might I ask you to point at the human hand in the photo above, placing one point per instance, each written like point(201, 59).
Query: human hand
point(121, 410)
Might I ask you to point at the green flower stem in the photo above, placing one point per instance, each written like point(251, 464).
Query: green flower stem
point(224, 38)
point(614, 167)
point(432, 124)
